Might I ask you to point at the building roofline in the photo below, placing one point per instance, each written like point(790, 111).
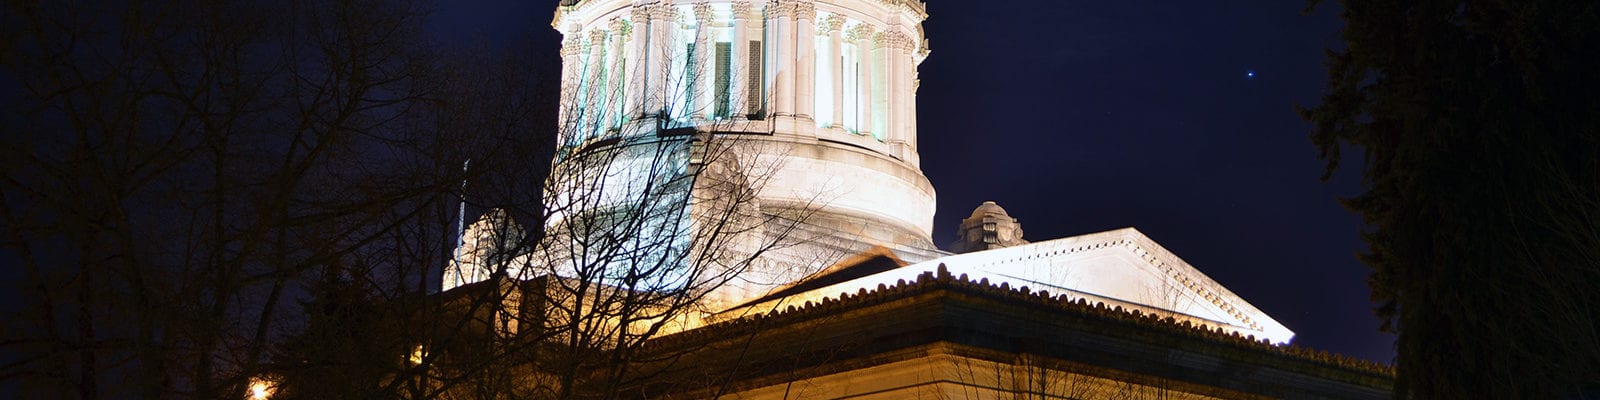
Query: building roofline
point(942, 280)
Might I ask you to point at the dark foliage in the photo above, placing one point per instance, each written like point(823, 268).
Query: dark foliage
point(1479, 124)
point(196, 194)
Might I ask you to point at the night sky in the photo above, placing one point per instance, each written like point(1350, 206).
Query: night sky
point(1176, 118)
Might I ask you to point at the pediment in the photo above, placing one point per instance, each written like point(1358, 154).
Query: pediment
point(1121, 267)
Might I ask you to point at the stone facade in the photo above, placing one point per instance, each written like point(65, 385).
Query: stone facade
point(944, 336)
point(820, 95)
point(818, 99)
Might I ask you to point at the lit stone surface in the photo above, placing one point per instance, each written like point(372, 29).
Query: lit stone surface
point(812, 103)
point(941, 375)
point(1121, 268)
point(820, 97)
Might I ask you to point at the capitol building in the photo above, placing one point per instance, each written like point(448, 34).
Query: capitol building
point(753, 165)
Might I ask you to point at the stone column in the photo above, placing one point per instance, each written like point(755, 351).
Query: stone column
point(918, 54)
point(737, 84)
point(592, 100)
point(571, 79)
point(639, 50)
point(780, 42)
point(862, 35)
point(883, 86)
point(704, 55)
point(658, 59)
point(614, 100)
point(897, 61)
point(805, 63)
point(835, 64)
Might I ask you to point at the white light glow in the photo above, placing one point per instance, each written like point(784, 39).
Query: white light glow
point(261, 388)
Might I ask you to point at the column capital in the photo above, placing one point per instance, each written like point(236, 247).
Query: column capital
point(618, 25)
point(803, 9)
point(779, 8)
point(702, 12)
point(892, 39)
point(830, 25)
point(794, 9)
point(663, 12)
point(571, 46)
point(641, 13)
point(741, 9)
point(859, 32)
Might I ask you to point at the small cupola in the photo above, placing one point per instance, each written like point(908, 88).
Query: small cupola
point(989, 227)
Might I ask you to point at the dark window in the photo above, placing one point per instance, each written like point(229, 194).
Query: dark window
point(724, 69)
point(754, 94)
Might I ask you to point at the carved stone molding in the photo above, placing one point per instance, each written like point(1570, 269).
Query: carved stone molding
point(859, 32)
point(897, 6)
point(803, 10)
point(702, 12)
point(779, 8)
point(618, 26)
point(640, 13)
point(830, 24)
point(573, 46)
point(741, 9)
point(892, 39)
point(663, 12)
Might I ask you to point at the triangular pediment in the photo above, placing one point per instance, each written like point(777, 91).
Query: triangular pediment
point(1121, 267)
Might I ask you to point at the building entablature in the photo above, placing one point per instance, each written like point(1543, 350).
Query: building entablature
point(843, 70)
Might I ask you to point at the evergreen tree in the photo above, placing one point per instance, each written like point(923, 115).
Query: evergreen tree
point(1478, 124)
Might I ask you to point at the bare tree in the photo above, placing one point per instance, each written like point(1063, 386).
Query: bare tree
point(211, 199)
point(649, 221)
point(180, 174)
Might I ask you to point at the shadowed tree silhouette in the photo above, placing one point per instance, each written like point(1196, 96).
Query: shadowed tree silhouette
point(207, 199)
point(1482, 188)
point(180, 176)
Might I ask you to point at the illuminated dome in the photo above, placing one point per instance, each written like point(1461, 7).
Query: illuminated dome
point(819, 95)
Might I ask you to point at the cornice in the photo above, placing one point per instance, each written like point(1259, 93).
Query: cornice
point(915, 7)
point(942, 279)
